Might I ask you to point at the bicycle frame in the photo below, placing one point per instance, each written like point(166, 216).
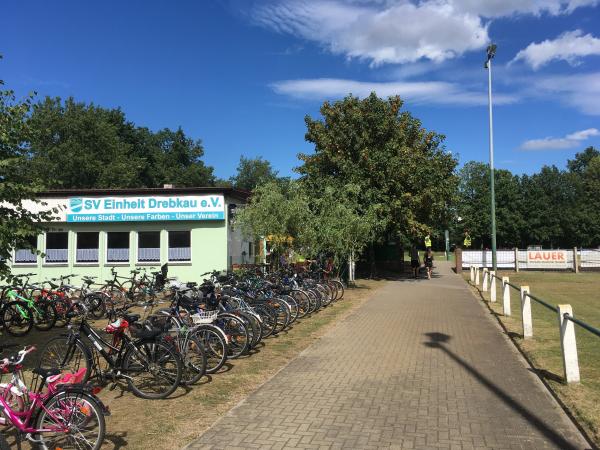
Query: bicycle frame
point(12, 294)
point(21, 420)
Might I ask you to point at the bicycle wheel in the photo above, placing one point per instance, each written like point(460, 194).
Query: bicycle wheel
point(17, 318)
point(76, 411)
point(215, 346)
point(16, 403)
point(237, 333)
point(44, 316)
point(268, 317)
point(154, 369)
point(95, 305)
point(340, 289)
point(67, 354)
point(62, 308)
point(193, 358)
point(302, 301)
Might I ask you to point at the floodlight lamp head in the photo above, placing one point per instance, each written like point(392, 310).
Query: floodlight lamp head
point(491, 51)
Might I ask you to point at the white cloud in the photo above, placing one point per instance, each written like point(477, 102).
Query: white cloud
point(503, 8)
point(569, 46)
point(396, 32)
point(399, 31)
point(428, 92)
point(581, 91)
point(569, 141)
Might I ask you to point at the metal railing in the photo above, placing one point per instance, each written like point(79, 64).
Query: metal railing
point(565, 315)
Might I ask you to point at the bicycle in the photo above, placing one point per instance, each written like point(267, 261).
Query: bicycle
point(20, 314)
point(151, 367)
point(67, 415)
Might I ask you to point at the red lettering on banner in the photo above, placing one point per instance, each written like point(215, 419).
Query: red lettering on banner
point(547, 256)
point(561, 256)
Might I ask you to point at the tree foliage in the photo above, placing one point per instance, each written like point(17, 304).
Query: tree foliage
point(252, 172)
point(552, 208)
point(78, 145)
point(17, 224)
point(400, 172)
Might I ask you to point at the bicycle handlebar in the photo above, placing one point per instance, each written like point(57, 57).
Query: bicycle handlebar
point(21, 356)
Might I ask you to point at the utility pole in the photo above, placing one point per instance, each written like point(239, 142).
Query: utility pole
point(491, 52)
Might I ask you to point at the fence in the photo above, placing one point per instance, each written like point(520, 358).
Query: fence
point(566, 318)
point(517, 259)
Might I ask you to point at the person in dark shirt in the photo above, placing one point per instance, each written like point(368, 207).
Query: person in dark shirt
point(414, 260)
point(428, 260)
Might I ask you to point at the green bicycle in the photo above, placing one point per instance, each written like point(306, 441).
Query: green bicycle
point(19, 314)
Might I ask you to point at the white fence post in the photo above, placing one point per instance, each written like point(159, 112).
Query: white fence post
point(476, 276)
point(516, 259)
point(486, 274)
point(568, 344)
point(526, 312)
point(575, 266)
point(472, 273)
point(505, 296)
point(492, 286)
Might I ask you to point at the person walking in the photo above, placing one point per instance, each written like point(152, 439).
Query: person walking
point(428, 260)
point(415, 263)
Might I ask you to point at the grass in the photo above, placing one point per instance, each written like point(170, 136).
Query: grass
point(175, 422)
point(582, 292)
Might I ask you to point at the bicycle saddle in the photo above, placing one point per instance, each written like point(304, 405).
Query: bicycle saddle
point(132, 318)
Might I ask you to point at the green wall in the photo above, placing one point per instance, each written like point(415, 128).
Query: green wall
point(208, 242)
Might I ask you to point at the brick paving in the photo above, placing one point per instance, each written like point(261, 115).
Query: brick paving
point(421, 365)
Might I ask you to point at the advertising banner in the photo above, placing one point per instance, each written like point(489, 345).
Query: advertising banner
point(547, 259)
point(136, 208)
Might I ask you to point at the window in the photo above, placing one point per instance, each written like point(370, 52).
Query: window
point(149, 246)
point(57, 247)
point(87, 247)
point(180, 246)
point(117, 247)
point(25, 255)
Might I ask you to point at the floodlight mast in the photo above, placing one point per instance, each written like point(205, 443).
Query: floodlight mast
point(491, 52)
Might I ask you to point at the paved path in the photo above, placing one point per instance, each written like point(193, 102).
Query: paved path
point(421, 365)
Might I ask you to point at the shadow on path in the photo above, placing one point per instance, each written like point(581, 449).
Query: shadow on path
point(438, 340)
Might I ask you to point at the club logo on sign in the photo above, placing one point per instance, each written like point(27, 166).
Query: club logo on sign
point(75, 204)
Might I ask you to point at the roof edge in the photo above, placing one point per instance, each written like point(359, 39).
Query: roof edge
point(231, 192)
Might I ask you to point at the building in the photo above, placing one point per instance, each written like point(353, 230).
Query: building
point(98, 229)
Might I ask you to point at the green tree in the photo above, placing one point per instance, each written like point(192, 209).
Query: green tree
point(582, 160)
point(402, 173)
point(252, 172)
point(78, 145)
point(474, 206)
point(276, 210)
point(17, 223)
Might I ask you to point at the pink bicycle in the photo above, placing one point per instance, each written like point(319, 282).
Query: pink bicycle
point(66, 415)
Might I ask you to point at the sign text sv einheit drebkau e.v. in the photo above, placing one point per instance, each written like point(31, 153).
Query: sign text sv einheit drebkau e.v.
point(140, 208)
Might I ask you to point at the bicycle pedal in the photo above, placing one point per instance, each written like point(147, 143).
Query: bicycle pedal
point(112, 387)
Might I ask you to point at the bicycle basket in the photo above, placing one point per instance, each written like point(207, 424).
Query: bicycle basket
point(204, 317)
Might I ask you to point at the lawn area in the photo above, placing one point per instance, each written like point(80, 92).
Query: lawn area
point(582, 292)
point(172, 423)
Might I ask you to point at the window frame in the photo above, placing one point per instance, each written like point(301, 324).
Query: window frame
point(180, 262)
point(55, 263)
point(26, 263)
point(117, 263)
point(86, 263)
point(137, 248)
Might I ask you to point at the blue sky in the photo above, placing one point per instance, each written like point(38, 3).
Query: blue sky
point(242, 74)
